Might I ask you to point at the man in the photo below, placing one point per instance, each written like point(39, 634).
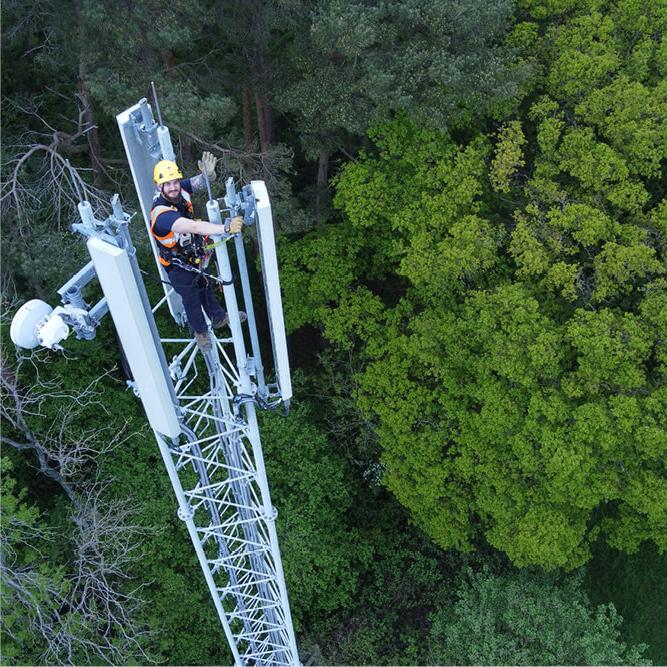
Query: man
point(181, 241)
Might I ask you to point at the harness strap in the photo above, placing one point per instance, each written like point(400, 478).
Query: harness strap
point(177, 261)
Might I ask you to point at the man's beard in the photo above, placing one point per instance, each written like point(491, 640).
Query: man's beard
point(172, 199)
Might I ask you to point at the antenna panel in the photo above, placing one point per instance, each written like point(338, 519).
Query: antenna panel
point(114, 272)
point(143, 147)
point(267, 249)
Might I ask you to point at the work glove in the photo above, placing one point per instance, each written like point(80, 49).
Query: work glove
point(235, 225)
point(207, 164)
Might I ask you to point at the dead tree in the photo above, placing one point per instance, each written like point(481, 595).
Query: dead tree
point(36, 173)
point(86, 611)
point(63, 453)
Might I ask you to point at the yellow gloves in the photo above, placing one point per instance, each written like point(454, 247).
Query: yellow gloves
point(207, 164)
point(235, 225)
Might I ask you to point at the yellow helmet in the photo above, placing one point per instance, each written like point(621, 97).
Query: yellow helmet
point(166, 170)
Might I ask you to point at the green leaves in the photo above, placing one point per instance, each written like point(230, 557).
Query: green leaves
point(611, 351)
point(323, 556)
point(618, 268)
point(31, 587)
point(584, 55)
point(526, 618)
point(515, 375)
point(530, 424)
point(509, 156)
point(353, 64)
point(630, 117)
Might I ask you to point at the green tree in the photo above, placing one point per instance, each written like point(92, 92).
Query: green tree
point(508, 296)
point(323, 554)
point(636, 584)
point(31, 589)
point(527, 618)
point(349, 64)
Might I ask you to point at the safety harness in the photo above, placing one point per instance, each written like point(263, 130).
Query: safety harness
point(175, 247)
point(176, 261)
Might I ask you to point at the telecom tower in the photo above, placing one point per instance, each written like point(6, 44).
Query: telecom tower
point(201, 407)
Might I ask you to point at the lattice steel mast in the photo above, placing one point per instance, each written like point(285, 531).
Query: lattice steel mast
point(201, 407)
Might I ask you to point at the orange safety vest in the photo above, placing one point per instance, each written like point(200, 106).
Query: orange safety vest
point(188, 247)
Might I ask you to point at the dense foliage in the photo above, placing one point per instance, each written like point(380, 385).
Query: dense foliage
point(508, 294)
point(472, 203)
point(526, 618)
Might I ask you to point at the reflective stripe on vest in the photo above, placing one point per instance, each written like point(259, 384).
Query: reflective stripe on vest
point(169, 240)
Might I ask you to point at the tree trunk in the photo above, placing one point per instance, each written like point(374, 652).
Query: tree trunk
point(322, 191)
point(323, 169)
point(261, 121)
point(186, 150)
point(92, 135)
point(169, 61)
point(247, 120)
point(268, 120)
point(263, 125)
point(248, 139)
point(260, 72)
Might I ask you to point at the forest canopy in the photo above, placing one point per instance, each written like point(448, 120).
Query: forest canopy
point(508, 295)
point(471, 214)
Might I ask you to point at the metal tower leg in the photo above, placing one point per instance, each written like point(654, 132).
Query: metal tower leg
point(227, 499)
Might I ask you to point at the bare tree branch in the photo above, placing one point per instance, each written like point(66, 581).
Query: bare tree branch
point(36, 173)
point(87, 611)
point(63, 452)
point(85, 616)
point(264, 162)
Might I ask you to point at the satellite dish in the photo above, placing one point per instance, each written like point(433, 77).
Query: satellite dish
point(23, 330)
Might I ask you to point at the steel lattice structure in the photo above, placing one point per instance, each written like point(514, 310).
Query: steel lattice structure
point(201, 406)
point(216, 463)
point(206, 428)
point(228, 504)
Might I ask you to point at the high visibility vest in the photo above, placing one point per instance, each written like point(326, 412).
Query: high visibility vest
point(187, 247)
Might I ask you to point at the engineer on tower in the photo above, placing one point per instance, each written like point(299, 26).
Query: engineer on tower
point(181, 241)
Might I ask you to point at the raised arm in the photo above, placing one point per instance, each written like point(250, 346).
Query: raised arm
point(207, 164)
point(198, 184)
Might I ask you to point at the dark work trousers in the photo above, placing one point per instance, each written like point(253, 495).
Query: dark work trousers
point(197, 293)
